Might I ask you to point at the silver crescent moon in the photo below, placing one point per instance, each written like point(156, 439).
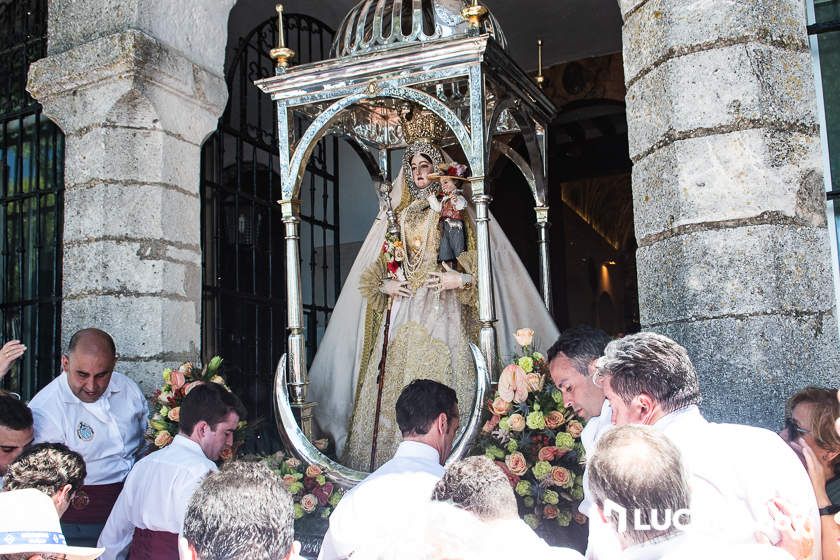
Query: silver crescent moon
point(298, 444)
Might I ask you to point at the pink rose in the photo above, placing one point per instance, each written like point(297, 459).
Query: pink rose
point(309, 502)
point(189, 386)
point(516, 463)
point(517, 422)
point(313, 471)
point(500, 406)
point(560, 476)
point(524, 337)
point(574, 428)
point(292, 463)
point(535, 381)
point(175, 414)
point(554, 419)
point(547, 453)
point(163, 438)
point(491, 424)
point(550, 511)
point(512, 478)
point(226, 454)
point(513, 385)
point(176, 380)
point(288, 480)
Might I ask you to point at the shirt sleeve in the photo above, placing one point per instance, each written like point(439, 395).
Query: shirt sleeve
point(434, 203)
point(118, 532)
point(460, 202)
point(46, 428)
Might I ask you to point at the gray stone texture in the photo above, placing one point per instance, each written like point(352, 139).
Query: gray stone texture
point(734, 259)
point(136, 87)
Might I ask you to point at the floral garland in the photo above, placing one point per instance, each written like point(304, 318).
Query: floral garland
point(166, 404)
point(535, 440)
point(394, 253)
point(313, 496)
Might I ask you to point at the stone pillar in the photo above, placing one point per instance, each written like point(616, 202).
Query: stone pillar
point(733, 258)
point(136, 86)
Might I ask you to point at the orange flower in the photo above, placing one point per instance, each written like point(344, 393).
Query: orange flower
point(551, 512)
point(547, 453)
point(574, 428)
point(163, 438)
point(500, 406)
point(554, 419)
point(313, 470)
point(516, 463)
point(524, 337)
point(560, 476)
point(175, 414)
point(517, 422)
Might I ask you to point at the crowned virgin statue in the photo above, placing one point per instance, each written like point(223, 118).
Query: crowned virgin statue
point(402, 297)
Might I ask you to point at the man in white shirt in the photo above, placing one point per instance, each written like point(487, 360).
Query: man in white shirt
point(149, 514)
point(642, 496)
point(15, 430)
point(99, 413)
point(427, 414)
point(734, 470)
point(476, 484)
point(571, 361)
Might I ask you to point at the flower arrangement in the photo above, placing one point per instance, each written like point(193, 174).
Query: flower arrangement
point(166, 404)
point(394, 254)
point(535, 440)
point(314, 497)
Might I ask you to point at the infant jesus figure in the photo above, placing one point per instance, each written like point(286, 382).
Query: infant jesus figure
point(450, 206)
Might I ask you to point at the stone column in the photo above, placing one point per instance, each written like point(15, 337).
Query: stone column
point(728, 198)
point(136, 86)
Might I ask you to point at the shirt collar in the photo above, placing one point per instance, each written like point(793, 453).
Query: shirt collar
point(185, 442)
point(672, 417)
point(68, 397)
point(416, 449)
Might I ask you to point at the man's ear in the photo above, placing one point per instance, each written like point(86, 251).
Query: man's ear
point(645, 407)
point(442, 423)
point(193, 555)
point(64, 361)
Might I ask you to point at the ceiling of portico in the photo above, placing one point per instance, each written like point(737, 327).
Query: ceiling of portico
point(570, 29)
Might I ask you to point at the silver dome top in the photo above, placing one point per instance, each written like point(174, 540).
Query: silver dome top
point(380, 24)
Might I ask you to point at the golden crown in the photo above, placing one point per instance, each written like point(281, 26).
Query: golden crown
point(421, 126)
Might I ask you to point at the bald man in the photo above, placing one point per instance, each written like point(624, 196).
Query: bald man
point(99, 413)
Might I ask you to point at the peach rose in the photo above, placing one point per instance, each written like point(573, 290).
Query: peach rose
point(226, 454)
point(535, 381)
point(513, 385)
point(547, 453)
point(309, 502)
point(516, 463)
point(491, 424)
point(175, 414)
point(190, 386)
point(288, 480)
point(163, 438)
point(313, 470)
point(517, 422)
point(554, 419)
point(574, 428)
point(579, 518)
point(292, 463)
point(524, 337)
point(177, 380)
point(500, 406)
point(550, 511)
point(560, 476)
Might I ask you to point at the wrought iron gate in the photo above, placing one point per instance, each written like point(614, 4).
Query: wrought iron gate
point(31, 202)
point(244, 299)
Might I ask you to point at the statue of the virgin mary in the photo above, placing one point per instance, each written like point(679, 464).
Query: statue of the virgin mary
point(429, 307)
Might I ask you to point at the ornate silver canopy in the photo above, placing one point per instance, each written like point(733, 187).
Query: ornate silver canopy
point(380, 24)
point(453, 65)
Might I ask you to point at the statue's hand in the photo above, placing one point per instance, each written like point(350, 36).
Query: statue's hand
point(395, 288)
point(447, 280)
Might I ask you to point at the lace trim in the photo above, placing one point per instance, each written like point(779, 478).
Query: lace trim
point(369, 283)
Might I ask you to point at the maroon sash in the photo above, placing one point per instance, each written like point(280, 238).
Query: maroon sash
point(92, 504)
point(153, 545)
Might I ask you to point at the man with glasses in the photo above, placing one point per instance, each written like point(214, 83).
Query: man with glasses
point(15, 430)
point(735, 471)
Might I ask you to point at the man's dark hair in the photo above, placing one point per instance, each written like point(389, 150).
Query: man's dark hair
point(420, 402)
point(479, 486)
point(653, 364)
point(95, 333)
point(47, 467)
point(242, 512)
point(14, 414)
point(642, 471)
point(581, 344)
point(210, 402)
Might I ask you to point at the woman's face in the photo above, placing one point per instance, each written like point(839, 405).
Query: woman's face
point(421, 167)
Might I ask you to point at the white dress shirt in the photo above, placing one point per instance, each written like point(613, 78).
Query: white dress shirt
point(734, 471)
point(156, 494)
point(106, 433)
point(384, 500)
point(592, 432)
point(520, 541)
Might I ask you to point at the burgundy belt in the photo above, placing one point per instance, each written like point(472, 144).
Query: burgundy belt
point(92, 504)
point(153, 545)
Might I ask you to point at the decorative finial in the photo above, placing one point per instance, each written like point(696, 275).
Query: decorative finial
point(282, 54)
point(540, 78)
point(475, 15)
